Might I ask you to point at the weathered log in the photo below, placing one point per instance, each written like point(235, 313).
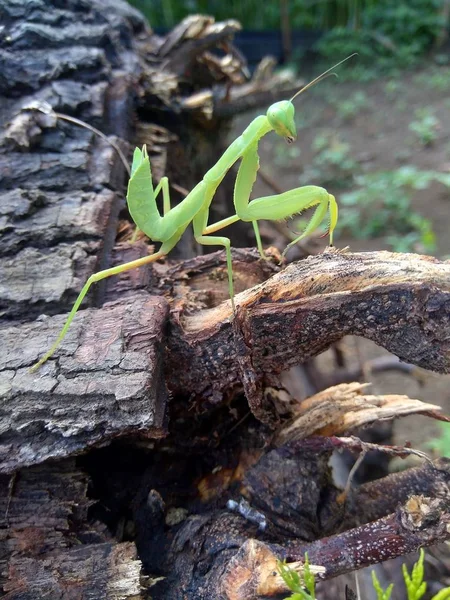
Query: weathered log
point(62, 189)
point(292, 502)
point(60, 212)
point(110, 383)
point(49, 549)
point(400, 301)
point(291, 317)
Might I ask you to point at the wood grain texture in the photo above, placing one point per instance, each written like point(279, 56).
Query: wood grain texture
point(48, 549)
point(107, 381)
point(400, 301)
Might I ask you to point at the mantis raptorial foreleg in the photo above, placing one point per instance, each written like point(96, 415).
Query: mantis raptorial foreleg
point(169, 227)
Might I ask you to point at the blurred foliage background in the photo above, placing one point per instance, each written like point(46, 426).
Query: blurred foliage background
point(390, 29)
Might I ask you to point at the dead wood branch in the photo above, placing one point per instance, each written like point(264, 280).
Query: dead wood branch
point(400, 301)
point(296, 503)
point(420, 522)
point(344, 408)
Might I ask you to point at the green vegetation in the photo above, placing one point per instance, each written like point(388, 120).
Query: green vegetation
point(381, 594)
point(349, 108)
point(304, 589)
point(332, 161)
point(436, 79)
point(441, 444)
point(392, 34)
point(380, 204)
point(373, 204)
point(418, 19)
point(425, 126)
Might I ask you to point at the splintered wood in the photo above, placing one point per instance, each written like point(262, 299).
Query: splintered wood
point(344, 408)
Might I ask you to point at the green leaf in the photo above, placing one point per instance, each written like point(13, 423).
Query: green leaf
point(293, 581)
point(381, 594)
point(442, 594)
point(415, 586)
point(309, 579)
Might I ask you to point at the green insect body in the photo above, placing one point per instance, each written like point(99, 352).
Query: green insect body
point(169, 227)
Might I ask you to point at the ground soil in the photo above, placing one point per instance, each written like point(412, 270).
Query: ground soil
point(379, 138)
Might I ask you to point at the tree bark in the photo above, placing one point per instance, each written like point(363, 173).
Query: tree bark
point(92, 453)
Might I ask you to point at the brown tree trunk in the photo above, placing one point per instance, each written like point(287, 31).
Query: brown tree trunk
point(118, 457)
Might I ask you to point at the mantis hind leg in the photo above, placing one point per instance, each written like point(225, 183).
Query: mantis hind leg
point(165, 248)
point(279, 206)
point(287, 204)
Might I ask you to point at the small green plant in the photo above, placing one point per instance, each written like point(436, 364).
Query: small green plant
point(425, 127)
point(437, 79)
point(348, 109)
point(381, 594)
point(415, 585)
point(441, 444)
point(380, 205)
point(392, 87)
point(304, 588)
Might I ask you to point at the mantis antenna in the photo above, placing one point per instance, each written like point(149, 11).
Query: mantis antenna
point(325, 74)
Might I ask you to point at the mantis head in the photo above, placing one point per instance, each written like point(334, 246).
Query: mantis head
point(281, 116)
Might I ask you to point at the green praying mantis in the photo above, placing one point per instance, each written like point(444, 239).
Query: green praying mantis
point(169, 227)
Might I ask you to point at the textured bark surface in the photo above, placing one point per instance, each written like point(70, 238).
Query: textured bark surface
point(62, 186)
point(109, 383)
point(400, 301)
point(49, 547)
point(168, 332)
point(62, 190)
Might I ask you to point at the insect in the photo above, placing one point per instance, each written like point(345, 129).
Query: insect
point(169, 227)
